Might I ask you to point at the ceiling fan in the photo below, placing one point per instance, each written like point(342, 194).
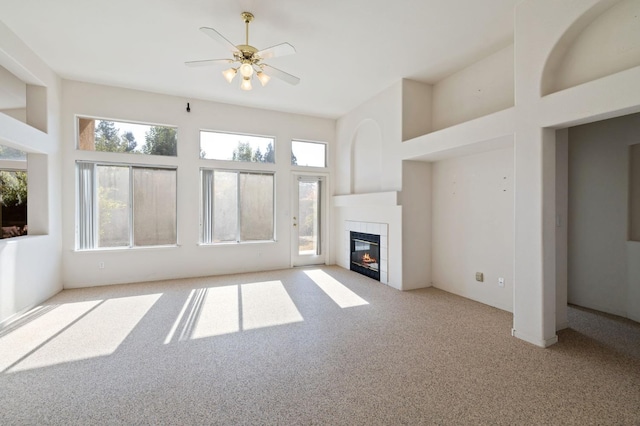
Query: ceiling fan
point(247, 59)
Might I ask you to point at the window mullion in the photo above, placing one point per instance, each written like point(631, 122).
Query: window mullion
point(319, 217)
point(131, 234)
point(207, 210)
point(238, 207)
point(96, 211)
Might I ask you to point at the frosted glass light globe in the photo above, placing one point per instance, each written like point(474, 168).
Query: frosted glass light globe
point(246, 83)
point(246, 70)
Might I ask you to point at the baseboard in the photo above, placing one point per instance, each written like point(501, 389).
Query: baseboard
point(597, 307)
point(533, 340)
point(562, 326)
point(466, 296)
point(634, 318)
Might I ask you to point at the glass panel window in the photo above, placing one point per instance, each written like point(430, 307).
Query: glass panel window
point(154, 207)
point(237, 206)
point(225, 206)
point(309, 217)
point(125, 206)
point(13, 192)
point(13, 203)
point(256, 206)
point(117, 136)
point(113, 206)
point(235, 147)
point(311, 154)
point(12, 154)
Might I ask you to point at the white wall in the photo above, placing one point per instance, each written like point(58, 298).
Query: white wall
point(416, 224)
point(562, 217)
point(30, 270)
point(80, 268)
point(416, 109)
point(19, 114)
point(633, 274)
point(13, 91)
point(478, 90)
point(366, 158)
point(382, 112)
point(472, 226)
point(600, 256)
point(610, 43)
point(634, 192)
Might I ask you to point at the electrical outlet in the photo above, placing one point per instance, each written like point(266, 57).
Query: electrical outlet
point(479, 276)
point(501, 282)
point(100, 265)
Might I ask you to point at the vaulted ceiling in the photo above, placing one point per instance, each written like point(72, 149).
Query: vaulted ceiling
point(347, 50)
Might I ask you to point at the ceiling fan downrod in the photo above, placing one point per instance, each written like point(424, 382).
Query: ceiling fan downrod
point(248, 17)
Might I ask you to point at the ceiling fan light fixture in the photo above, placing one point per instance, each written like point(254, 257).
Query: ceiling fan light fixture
point(264, 79)
point(246, 70)
point(230, 74)
point(247, 60)
point(246, 83)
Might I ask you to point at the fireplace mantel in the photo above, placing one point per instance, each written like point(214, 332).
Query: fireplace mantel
point(389, 198)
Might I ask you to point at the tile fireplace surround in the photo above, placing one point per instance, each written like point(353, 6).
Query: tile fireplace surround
point(381, 229)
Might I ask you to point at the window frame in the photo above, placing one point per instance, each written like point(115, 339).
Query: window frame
point(130, 207)
point(231, 161)
point(15, 166)
point(238, 172)
point(326, 154)
point(141, 155)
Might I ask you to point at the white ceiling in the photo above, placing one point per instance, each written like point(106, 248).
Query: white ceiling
point(347, 50)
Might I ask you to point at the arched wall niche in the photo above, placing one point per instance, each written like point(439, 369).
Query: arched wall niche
point(603, 41)
point(366, 158)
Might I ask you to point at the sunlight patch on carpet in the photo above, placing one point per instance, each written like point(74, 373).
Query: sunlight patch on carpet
point(265, 304)
point(21, 342)
point(338, 292)
point(219, 313)
point(215, 311)
point(99, 331)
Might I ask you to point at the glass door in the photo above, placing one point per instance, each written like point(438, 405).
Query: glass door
point(308, 220)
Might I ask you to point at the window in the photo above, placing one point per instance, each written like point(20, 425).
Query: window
point(311, 154)
point(13, 192)
point(234, 147)
point(125, 206)
point(237, 206)
point(115, 136)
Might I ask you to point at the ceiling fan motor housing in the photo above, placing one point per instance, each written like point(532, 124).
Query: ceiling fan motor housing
point(247, 52)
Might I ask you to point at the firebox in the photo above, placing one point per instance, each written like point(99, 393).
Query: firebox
point(365, 254)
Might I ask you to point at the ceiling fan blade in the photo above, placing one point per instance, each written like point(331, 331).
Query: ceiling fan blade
point(275, 72)
point(219, 38)
point(281, 49)
point(209, 62)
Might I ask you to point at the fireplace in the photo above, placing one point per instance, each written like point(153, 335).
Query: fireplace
point(365, 254)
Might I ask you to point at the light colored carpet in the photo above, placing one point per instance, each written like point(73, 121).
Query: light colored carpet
point(306, 346)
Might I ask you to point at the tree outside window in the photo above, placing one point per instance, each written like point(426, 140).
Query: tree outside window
point(13, 196)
